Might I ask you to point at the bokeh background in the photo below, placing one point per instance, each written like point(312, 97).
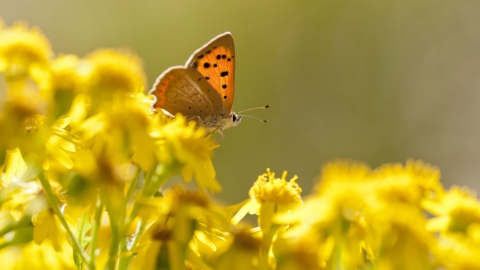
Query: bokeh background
point(374, 80)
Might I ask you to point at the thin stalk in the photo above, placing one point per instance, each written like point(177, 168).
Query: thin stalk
point(95, 230)
point(52, 200)
point(116, 213)
point(125, 261)
point(25, 221)
point(153, 182)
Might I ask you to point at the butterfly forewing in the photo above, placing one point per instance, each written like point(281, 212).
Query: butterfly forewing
point(216, 62)
point(186, 91)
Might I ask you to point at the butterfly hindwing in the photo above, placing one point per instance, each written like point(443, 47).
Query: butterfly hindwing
point(216, 62)
point(184, 90)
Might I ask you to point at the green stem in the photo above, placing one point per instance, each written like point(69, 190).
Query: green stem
point(110, 199)
point(267, 241)
point(52, 200)
point(114, 246)
point(154, 180)
point(95, 230)
point(132, 187)
point(125, 261)
point(25, 221)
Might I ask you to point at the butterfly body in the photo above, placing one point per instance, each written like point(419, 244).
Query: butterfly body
point(203, 89)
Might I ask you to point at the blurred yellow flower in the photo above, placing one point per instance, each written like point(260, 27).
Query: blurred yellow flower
point(188, 225)
point(37, 257)
point(456, 212)
point(457, 219)
point(114, 70)
point(409, 184)
point(47, 227)
point(67, 73)
point(181, 142)
point(243, 252)
point(69, 78)
point(457, 253)
point(23, 52)
point(300, 253)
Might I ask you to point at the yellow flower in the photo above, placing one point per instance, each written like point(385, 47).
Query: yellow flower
point(47, 227)
point(111, 71)
point(24, 52)
point(306, 252)
point(270, 195)
point(67, 73)
point(398, 221)
point(400, 233)
point(15, 167)
point(409, 184)
point(267, 188)
point(243, 252)
point(115, 134)
point(343, 194)
point(457, 218)
point(455, 212)
point(22, 196)
point(70, 76)
point(181, 142)
point(457, 253)
point(61, 145)
point(184, 221)
point(37, 257)
point(337, 216)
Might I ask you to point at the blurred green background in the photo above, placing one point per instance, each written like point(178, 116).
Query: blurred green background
point(375, 80)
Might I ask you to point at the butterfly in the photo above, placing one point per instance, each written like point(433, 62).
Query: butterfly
point(203, 89)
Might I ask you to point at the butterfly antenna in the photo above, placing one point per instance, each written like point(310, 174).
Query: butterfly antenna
point(253, 117)
point(256, 108)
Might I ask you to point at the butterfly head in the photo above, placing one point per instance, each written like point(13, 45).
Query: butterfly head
point(233, 120)
point(236, 119)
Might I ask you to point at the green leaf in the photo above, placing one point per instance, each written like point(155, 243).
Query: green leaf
point(84, 225)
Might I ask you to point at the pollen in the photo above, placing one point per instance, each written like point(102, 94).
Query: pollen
point(267, 188)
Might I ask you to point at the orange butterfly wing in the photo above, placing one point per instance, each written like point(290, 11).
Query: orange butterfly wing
point(184, 90)
point(216, 62)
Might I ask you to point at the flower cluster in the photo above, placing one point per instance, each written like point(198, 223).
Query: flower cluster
point(84, 160)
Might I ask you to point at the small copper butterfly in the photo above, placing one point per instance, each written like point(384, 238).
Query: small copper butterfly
point(204, 88)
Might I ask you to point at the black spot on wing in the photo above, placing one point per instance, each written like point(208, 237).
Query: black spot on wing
point(224, 86)
point(206, 65)
point(224, 73)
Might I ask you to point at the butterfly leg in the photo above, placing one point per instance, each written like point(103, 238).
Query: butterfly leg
point(198, 120)
point(222, 134)
point(220, 131)
point(200, 123)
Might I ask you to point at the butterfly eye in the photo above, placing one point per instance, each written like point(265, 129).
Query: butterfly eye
point(236, 118)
